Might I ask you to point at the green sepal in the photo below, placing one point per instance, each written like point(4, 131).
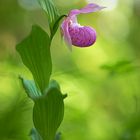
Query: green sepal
point(35, 54)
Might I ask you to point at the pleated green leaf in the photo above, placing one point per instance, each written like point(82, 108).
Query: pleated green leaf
point(35, 54)
point(52, 13)
point(48, 113)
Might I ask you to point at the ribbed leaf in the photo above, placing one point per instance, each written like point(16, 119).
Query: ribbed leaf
point(35, 54)
point(50, 9)
point(48, 113)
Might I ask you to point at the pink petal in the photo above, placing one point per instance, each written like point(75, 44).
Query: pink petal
point(65, 32)
point(92, 7)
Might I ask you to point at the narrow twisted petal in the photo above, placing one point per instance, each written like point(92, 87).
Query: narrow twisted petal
point(65, 32)
point(83, 36)
point(92, 7)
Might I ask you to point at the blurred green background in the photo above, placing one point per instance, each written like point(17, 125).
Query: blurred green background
point(102, 81)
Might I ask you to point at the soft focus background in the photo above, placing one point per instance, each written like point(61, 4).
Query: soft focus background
point(102, 81)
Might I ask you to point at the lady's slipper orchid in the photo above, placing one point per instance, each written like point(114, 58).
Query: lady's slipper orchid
point(75, 34)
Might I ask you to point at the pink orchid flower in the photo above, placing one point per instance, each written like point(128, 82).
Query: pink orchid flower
point(75, 34)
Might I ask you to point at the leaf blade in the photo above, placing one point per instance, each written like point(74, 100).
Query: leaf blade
point(35, 53)
point(48, 113)
point(52, 12)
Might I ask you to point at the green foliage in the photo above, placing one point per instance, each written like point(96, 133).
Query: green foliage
point(51, 11)
point(58, 136)
point(30, 88)
point(48, 113)
point(35, 54)
point(121, 67)
point(99, 108)
point(48, 109)
point(131, 128)
point(16, 118)
point(52, 14)
point(35, 135)
point(56, 25)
